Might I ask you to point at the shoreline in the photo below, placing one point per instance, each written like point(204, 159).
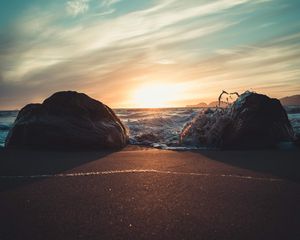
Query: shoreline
point(282, 163)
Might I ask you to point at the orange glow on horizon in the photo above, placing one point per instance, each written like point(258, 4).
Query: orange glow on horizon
point(155, 96)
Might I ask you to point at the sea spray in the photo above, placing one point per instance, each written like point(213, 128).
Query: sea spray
point(165, 124)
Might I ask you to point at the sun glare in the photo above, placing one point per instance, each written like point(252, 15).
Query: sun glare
point(155, 96)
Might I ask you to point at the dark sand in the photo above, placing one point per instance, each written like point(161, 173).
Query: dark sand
point(177, 195)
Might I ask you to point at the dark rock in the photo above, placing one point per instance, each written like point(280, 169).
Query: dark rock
point(68, 120)
point(208, 111)
point(297, 139)
point(253, 121)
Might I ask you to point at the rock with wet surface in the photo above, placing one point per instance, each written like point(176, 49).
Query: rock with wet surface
point(68, 120)
point(252, 121)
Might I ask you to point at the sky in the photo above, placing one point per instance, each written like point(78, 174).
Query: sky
point(148, 53)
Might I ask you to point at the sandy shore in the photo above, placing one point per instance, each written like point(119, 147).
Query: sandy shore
point(142, 193)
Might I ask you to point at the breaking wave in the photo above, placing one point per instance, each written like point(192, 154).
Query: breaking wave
point(158, 128)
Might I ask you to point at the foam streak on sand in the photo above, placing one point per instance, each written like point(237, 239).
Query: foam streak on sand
point(84, 174)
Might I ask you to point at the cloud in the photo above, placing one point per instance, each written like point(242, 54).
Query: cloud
point(170, 41)
point(165, 61)
point(108, 3)
point(271, 67)
point(108, 12)
point(55, 43)
point(76, 7)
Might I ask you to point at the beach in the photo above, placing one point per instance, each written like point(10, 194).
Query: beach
point(147, 193)
point(150, 120)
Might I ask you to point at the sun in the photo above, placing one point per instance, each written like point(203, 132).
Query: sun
point(155, 96)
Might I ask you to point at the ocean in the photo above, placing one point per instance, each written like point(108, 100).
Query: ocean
point(152, 127)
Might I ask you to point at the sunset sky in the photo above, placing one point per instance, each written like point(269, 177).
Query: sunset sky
point(143, 53)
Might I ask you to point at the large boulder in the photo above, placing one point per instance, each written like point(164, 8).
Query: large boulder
point(68, 120)
point(297, 139)
point(252, 121)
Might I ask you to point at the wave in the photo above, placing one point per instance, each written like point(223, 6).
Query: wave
point(295, 121)
point(292, 109)
point(8, 114)
point(5, 127)
point(158, 128)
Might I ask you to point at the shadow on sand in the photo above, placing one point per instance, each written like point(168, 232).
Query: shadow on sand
point(284, 164)
point(27, 162)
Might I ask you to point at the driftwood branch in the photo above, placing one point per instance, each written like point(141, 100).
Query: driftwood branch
point(229, 95)
point(220, 97)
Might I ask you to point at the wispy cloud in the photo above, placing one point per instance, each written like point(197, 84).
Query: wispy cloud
point(76, 7)
point(55, 43)
point(188, 44)
point(108, 3)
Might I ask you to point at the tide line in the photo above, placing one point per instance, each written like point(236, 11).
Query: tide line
point(112, 172)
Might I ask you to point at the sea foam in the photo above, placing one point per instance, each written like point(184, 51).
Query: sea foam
point(158, 128)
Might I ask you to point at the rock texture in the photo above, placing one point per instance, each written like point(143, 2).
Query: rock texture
point(297, 139)
point(252, 121)
point(68, 120)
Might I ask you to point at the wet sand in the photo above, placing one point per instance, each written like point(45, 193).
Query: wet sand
point(142, 193)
